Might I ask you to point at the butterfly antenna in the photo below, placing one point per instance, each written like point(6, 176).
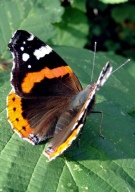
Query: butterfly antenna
point(93, 63)
point(121, 66)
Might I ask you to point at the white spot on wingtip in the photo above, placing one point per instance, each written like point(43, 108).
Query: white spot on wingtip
point(31, 37)
point(25, 56)
point(22, 48)
point(42, 51)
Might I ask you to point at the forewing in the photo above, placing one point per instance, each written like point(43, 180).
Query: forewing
point(38, 70)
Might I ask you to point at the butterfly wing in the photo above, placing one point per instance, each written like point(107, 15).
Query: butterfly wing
point(35, 119)
point(72, 120)
point(47, 99)
point(43, 85)
point(38, 70)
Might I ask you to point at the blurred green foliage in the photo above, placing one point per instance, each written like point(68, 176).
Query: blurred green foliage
point(111, 24)
point(76, 23)
point(97, 165)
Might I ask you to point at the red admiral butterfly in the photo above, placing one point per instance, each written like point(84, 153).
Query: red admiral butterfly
point(47, 99)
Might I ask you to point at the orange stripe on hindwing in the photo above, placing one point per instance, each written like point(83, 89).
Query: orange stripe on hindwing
point(36, 77)
point(59, 150)
point(14, 113)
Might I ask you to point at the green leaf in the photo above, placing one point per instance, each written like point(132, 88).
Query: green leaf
point(79, 4)
point(96, 165)
point(34, 16)
point(123, 13)
point(113, 1)
point(72, 30)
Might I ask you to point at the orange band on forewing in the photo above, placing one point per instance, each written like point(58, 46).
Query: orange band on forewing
point(14, 112)
point(61, 71)
point(36, 77)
